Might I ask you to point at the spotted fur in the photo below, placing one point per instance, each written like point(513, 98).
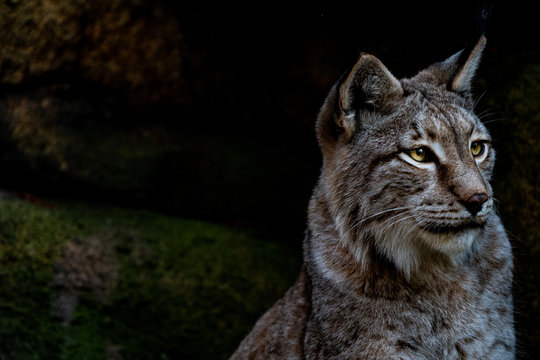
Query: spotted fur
point(403, 259)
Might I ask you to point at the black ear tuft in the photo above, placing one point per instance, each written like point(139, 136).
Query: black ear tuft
point(483, 18)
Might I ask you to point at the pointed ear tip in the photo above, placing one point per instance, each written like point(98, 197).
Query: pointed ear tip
point(481, 43)
point(366, 58)
point(482, 39)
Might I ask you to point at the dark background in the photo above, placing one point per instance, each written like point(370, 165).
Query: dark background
point(209, 113)
point(251, 76)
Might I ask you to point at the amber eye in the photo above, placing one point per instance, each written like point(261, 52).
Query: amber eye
point(477, 148)
point(420, 154)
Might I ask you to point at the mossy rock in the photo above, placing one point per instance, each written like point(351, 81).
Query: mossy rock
point(145, 286)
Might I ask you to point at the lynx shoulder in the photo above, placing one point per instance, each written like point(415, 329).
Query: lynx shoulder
point(404, 255)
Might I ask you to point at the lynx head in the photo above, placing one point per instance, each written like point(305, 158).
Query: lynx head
point(406, 163)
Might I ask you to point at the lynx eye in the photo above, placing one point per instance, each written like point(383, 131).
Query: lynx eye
point(477, 148)
point(420, 154)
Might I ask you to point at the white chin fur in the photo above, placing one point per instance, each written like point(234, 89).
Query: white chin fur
point(451, 244)
point(409, 247)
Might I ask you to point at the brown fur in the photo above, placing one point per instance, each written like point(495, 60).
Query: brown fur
point(402, 260)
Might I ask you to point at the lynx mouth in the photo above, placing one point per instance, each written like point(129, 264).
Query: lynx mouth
point(453, 228)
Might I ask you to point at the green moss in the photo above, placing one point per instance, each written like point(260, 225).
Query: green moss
point(30, 241)
point(184, 289)
point(84, 338)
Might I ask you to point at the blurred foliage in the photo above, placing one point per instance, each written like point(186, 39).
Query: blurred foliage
point(185, 289)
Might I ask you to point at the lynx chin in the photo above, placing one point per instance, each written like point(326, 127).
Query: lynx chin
point(404, 254)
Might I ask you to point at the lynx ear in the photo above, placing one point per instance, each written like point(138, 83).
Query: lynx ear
point(368, 85)
point(462, 80)
point(457, 71)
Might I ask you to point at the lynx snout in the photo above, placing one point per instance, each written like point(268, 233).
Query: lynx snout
point(471, 190)
point(475, 203)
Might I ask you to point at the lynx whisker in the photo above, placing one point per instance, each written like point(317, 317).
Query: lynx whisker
point(380, 213)
point(353, 227)
point(385, 222)
point(390, 225)
point(478, 99)
point(494, 120)
point(484, 116)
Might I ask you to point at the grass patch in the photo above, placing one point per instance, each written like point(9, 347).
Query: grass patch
point(183, 289)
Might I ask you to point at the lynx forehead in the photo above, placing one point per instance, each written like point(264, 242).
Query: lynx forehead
point(404, 257)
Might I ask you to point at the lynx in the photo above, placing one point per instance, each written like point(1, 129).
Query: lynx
point(404, 254)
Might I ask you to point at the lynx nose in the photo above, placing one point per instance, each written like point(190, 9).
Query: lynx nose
point(475, 202)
